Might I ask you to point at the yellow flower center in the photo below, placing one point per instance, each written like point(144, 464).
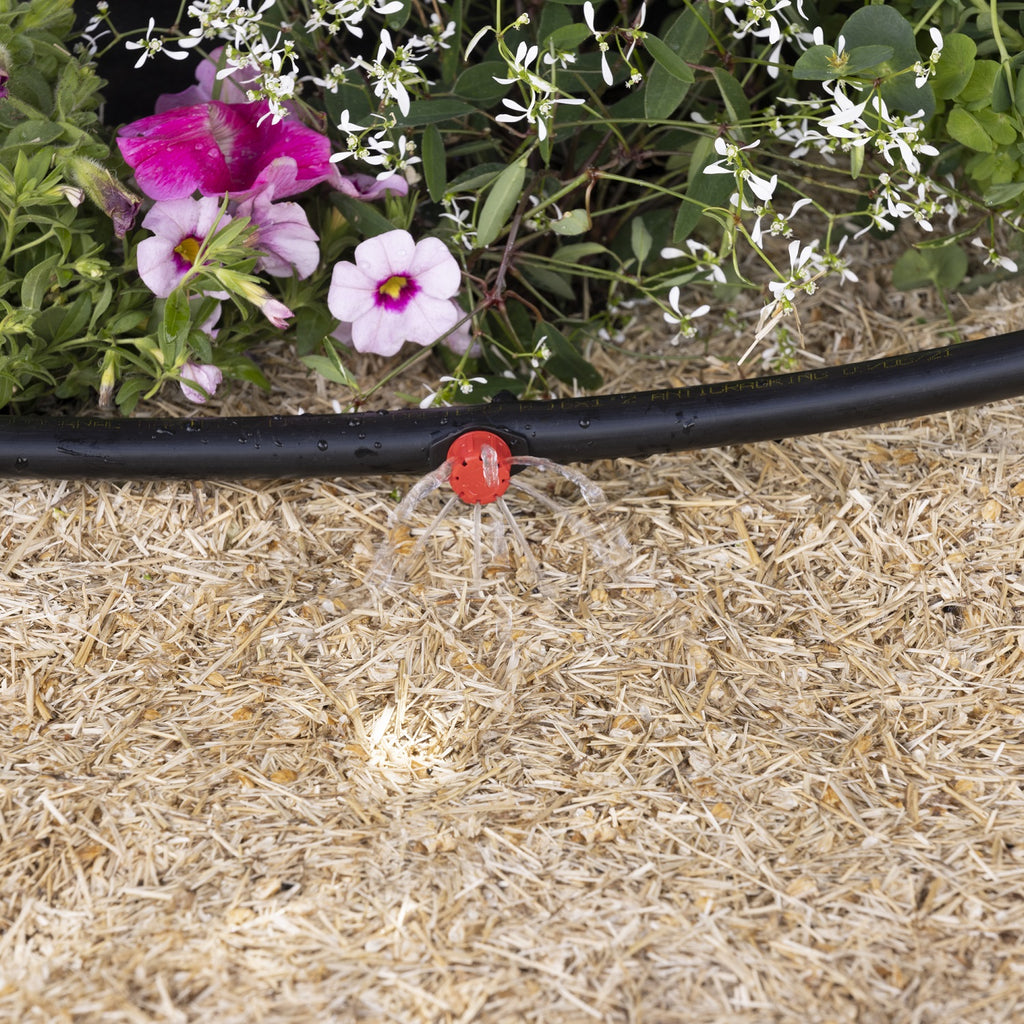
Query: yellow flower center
point(188, 249)
point(393, 286)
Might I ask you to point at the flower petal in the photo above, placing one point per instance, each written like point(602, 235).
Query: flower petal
point(176, 153)
point(389, 253)
point(435, 269)
point(156, 265)
point(352, 292)
point(379, 332)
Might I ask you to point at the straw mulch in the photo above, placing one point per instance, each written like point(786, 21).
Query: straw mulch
point(764, 765)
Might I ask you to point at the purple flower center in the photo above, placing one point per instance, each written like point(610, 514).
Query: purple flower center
point(394, 293)
point(185, 253)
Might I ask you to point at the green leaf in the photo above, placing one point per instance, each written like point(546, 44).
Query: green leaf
point(176, 313)
point(703, 191)
point(965, 128)
point(860, 58)
point(367, 220)
point(942, 267)
point(37, 282)
point(864, 28)
point(955, 66)
point(312, 325)
point(821, 63)
point(686, 38)
point(736, 101)
point(566, 38)
point(669, 60)
point(76, 317)
point(1002, 90)
point(331, 369)
point(423, 112)
point(1018, 96)
point(640, 240)
point(997, 195)
point(552, 18)
point(549, 281)
point(32, 133)
point(999, 126)
point(505, 193)
point(978, 90)
point(688, 35)
point(477, 83)
point(565, 363)
point(572, 222)
point(572, 254)
point(476, 178)
point(662, 94)
point(434, 166)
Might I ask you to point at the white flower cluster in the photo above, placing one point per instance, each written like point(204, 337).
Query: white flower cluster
point(395, 68)
point(538, 91)
point(765, 21)
point(374, 146)
point(633, 33)
point(92, 33)
point(807, 266)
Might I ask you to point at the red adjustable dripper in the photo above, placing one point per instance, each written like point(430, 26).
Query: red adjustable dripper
point(481, 467)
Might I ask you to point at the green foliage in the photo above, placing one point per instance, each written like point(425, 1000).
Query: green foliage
point(573, 161)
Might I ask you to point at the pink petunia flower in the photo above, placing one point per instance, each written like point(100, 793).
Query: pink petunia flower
point(284, 235)
point(397, 290)
point(179, 227)
point(205, 375)
point(368, 188)
point(216, 147)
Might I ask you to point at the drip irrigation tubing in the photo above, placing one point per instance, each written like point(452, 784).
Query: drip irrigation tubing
point(634, 425)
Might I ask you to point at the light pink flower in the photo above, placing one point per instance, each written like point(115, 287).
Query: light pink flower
point(216, 147)
point(397, 290)
point(368, 188)
point(205, 375)
point(283, 234)
point(179, 227)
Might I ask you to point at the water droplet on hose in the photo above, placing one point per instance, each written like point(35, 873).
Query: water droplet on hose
point(584, 422)
point(321, 445)
point(377, 444)
point(21, 462)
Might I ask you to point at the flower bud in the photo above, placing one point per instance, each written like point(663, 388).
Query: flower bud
point(119, 203)
point(205, 376)
point(276, 312)
point(108, 379)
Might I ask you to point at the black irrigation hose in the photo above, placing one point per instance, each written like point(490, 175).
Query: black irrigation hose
point(569, 430)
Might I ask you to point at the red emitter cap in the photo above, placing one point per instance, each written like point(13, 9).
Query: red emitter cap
point(481, 467)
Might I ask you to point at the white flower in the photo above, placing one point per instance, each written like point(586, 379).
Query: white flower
point(683, 321)
point(151, 47)
point(992, 257)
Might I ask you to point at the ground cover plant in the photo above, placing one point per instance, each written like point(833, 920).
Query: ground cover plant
point(497, 184)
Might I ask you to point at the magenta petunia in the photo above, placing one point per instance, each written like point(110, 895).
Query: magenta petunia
point(179, 227)
point(397, 290)
point(216, 147)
